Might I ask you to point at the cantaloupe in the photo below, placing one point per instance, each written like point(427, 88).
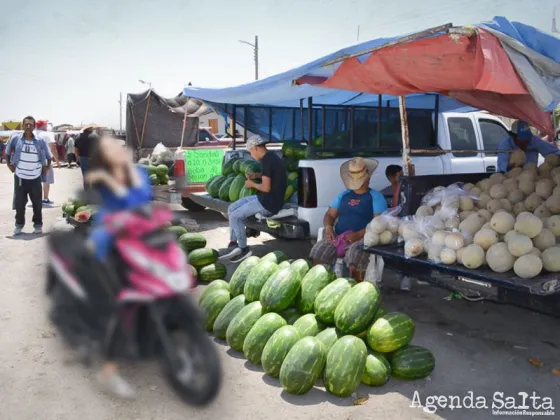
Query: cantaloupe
point(483, 200)
point(506, 205)
point(553, 224)
point(527, 186)
point(514, 172)
point(413, 247)
point(553, 203)
point(545, 239)
point(484, 185)
point(468, 186)
point(545, 169)
point(473, 256)
point(519, 245)
point(448, 256)
point(552, 160)
point(519, 208)
point(438, 238)
point(454, 241)
point(486, 214)
point(386, 238)
point(499, 258)
point(528, 224)
point(544, 188)
point(378, 225)
point(466, 203)
point(452, 222)
point(434, 253)
point(424, 211)
point(494, 205)
point(472, 224)
point(508, 235)
point(551, 259)
point(528, 266)
point(475, 192)
point(527, 174)
point(498, 191)
point(515, 196)
point(533, 202)
point(371, 238)
point(502, 222)
point(517, 158)
point(542, 212)
point(485, 238)
point(510, 184)
point(464, 214)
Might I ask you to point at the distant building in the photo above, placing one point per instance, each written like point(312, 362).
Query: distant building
point(215, 121)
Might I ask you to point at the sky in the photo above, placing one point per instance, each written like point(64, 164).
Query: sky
point(68, 60)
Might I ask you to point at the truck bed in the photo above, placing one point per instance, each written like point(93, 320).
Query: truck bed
point(290, 227)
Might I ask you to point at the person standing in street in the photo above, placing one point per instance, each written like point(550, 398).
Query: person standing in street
point(48, 177)
point(70, 151)
point(268, 201)
point(81, 149)
point(28, 158)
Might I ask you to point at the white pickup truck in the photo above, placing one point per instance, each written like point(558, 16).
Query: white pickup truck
point(319, 180)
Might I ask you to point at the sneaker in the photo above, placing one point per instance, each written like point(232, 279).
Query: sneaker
point(18, 230)
point(243, 253)
point(47, 201)
point(116, 385)
point(37, 230)
point(232, 250)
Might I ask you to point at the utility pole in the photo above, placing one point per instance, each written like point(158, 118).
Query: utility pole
point(120, 111)
point(255, 53)
point(554, 28)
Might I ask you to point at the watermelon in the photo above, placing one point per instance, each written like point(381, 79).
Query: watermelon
point(227, 168)
point(284, 264)
point(228, 313)
point(309, 325)
point(412, 362)
point(277, 348)
point(213, 188)
point(328, 337)
point(163, 179)
point(301, 266)
point(328, 299)
point(223, 194)
point(314, 281)
point(241, 324)
point(259, 335)
point(288, 149)
point(317, 141)
point(194, 272)
point(236, 165)
point(292, 164)
point(293, 179)
point(280, 291)
point(246, 192)
point(212, 305)
point(377, 371)
point(275, 256)
point(345, 366)
point(212, 272)
point(151, 170)
point(379, 313)
point(303, 365)
point(357, 308)
point(208, 183)
point(246, 164)
point(192, 241)
point(177, 230)
point(154, 180)
point(201, 257)
point(291, 315)
point(257, 278)
point(253, 167)
point(162, 170)
point(69, 209)
point(300, 152)
point(237, 281)
point(235, 188)
point(215, 285)
point(390, 332)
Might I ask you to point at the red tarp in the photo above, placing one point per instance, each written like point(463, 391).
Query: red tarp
point(472, 69)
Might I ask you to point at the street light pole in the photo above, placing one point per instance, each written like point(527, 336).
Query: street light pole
point(120, 111)
point(256, 54)
point(146, 83)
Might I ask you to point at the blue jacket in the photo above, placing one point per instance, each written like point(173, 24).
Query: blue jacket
point(15, 146)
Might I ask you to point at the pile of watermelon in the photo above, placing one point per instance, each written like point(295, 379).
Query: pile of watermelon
point(301, 323)
point(203, 261)
point(78, 210)
point(159, 175)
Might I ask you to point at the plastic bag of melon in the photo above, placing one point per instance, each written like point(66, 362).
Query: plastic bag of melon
point(383, 229)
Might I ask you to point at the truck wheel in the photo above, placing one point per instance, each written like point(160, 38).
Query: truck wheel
point(192, 206)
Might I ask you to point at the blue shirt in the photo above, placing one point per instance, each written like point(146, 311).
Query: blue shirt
point(535, 147)
point(135, 197)
point(355, 211)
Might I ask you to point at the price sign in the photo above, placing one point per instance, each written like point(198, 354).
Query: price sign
point(203, 164)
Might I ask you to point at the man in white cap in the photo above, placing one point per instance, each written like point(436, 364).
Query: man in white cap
point(347, 217)
point(268, 201)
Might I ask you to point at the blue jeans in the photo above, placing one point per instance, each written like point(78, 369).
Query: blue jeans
point(84, 167)
point(238, 212)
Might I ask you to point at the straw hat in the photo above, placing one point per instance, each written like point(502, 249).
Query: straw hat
point(355, 172)
point(89, 127)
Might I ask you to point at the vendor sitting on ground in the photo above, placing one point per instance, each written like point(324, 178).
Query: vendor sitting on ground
point(522, 138)
point(347, 217)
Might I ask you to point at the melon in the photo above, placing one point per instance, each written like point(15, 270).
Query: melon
point(527, 186)
point(553, 203)
point(528, 266)
point(528, 224)
point(519, 208)
point(551, 259)
point(485, 238)
point(544, 188)
point(472, 224)
point(448, 256)
point(466, 203)
point(498, 191)
point(502, 222)
point(473, 256)
point(542, 212)
point(506, 205)
point(533, 202)
point(413, 247)
point(438, 238)
point(519, 245)
point(378, 225)
point(545, 239)
point(424, 211)
point(552, 159)
point(515, 196)
point(499, 258)
point(553, 223)
point(386, 238)
point(517, 158)
point(454, 241)
point(514, 172)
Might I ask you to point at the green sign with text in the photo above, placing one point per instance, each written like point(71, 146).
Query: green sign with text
point(203, 164)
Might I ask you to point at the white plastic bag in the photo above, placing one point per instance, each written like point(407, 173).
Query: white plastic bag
point(374, 271)
point(161, 154)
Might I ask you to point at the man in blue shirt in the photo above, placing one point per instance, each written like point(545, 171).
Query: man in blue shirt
point(351, 210)
point(522, 138)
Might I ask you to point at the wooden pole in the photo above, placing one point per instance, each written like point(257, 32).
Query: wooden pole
point(408, 166)
point(184, 124)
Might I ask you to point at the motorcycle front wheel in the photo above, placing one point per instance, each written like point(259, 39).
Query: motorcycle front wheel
point(189, 359)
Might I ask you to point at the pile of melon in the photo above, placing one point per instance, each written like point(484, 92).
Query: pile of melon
point(505, 222)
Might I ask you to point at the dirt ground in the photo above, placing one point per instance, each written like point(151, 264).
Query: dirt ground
point(480, 347)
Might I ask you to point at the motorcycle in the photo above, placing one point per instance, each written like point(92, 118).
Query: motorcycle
point(137, 303)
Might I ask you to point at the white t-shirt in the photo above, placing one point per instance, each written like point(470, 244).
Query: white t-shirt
point(29, 165)
point(48, 136)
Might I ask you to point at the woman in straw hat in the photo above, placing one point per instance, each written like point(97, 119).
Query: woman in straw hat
point(347, 217)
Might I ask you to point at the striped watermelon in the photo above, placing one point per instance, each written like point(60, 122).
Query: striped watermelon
point(345, 366)
point(227, 168)
point(212, 272)
point(309, 325)
point(226, 316)
point(379, 313)
point(314, 281)
point(291, 315)
point(241, 324)
point(277, 348)
point(275, 256)
point(259, 335)
point(212, 305)
point(235, 188)
point(257, 278)
point(390, 332)
point(328, 337)
point(223, 194)
point(303, 365)
point(412, 362)
point(214, 184)
point(328, 299)
point(215, 285)
point(246, 192)
point(237, 165)
point(357, 308)
point(237, 281)
point(302, 266)
point(284, 264)
point(201, 257)
point(192, 241)
point(280, 290)
point(377, 371)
